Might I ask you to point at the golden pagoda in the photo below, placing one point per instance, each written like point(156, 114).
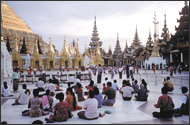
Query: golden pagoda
point(16, 58)
point(78, 59)
point(98, 58)
point(36, 60)
point(64, 59)
point(50, 59)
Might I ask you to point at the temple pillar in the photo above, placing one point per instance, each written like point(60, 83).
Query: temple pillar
point(170, 57)
point(181, 57)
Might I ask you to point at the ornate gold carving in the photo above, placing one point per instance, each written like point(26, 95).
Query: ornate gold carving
point(182, 45)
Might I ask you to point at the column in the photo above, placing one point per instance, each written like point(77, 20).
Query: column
point(181, 57)
point(170, 57)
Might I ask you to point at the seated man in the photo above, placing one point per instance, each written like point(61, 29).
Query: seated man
point(142, 94)
point(168, 84)
point(110, 94)
point(56, 82)
point(40, 84)
point(126, 90)
point(71, 79)
point(51, 87)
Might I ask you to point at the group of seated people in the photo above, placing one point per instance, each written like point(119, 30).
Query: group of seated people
point(43, 104)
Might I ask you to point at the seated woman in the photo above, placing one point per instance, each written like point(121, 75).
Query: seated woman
point(98, 96)
point(142, 94)
point(79, 92)
point(145, 85)
point(6, 90)
point(90, 106)
point(90, 86)
point(71, 100)
point(60, 110)
point(135, 86)
point(165, 103)
point(23, 96)
point(47, 101)
point(35, 104)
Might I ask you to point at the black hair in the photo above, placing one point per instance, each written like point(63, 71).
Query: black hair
point(60, 96)
point(79, 85)
point(37, 122)
point(168, 78)
point(74, 98)
point(47, 92)
point(106, 78)
point(99, 65)
point(115, 81)
point(24, 86)
point(133, 79)
point(164, 90)
point(4, 122)
point(50, 80)
point(69, 85)
point(91, 94)
point(96, 90)
point(184, 89)
point(35, 92)
point(109, 83)
point(136, 81)
point(91, 83)
point(124, 82)
point(104, 84)
point(39, 78)
point(5, 85)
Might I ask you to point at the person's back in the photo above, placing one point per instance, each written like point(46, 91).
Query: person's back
point(24, 97)
point(135, 86)
point(127, 91)
point(114, 85)
point(99, 99)
point(110, 92)
point(51, 87)
point(185, 101)
point(6, 91)
point(91, 105)
point(142, 95)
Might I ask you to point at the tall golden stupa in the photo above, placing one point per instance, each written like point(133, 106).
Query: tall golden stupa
point(15, 29)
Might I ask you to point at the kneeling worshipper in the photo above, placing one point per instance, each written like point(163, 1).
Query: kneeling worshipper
point(126, 90)
point(142, 94)
point(5, 90)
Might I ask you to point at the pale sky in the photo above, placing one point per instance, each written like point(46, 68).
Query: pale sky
point(75, 19)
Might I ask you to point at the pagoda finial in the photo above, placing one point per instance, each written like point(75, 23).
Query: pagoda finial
point(149, 32)
point(51, 46)
point(36, 47)
point(117, 37)
point(78, 46)
point(16, 45)
point(165, 19)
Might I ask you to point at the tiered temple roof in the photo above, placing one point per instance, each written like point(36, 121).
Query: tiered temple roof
point(117, 50)
point(136, 40)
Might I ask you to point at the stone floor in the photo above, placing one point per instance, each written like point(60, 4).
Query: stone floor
point(123, 112)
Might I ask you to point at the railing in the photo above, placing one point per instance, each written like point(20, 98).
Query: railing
point(154, 79)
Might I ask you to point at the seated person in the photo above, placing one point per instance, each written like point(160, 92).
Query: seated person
point(47, 101)
point(104, 88)
point(135, 86)
point(60, 110)
point(35, 105)
point(110, 94)
point(71, 79)
point(71, 100)
point(114, 85)
point(79, 92)
point(168, 84)
point(184, 109)
point(40, 84)
point(56, 82)
point(23, 96)
point(90, 86)
point(126, 90)
point(6, 90)
point(51, 87)
point(98, 96)
point(142, 94)
point(165, 103)
point(90, 106)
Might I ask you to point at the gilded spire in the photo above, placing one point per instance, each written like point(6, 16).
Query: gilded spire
point(78, 51)
point(16, 45)
point(155, 52)
point(36, 47)
point(97, 50)
point(126, 46)
point(51, 46)
point(94, 37)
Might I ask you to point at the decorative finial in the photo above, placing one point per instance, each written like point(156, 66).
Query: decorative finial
point(117, 37)
point(16, 46)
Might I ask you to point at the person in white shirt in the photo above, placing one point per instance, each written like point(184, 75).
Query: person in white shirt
point(51, 87)
point(90, 106)
point(114, 85)
point(126, 90)
point(40, 87)
point(131, 71)
point(5, 89)
point(23, 96)
point(120, 70)
point(34, 70)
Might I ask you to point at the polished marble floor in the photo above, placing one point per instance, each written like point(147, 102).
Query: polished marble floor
point(123, 112)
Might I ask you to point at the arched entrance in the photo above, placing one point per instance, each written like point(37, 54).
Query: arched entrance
point(51, 64)
point(15, 63)
point(66, 64)
point(160, 65)
point(79, 63)
point(36, 63)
